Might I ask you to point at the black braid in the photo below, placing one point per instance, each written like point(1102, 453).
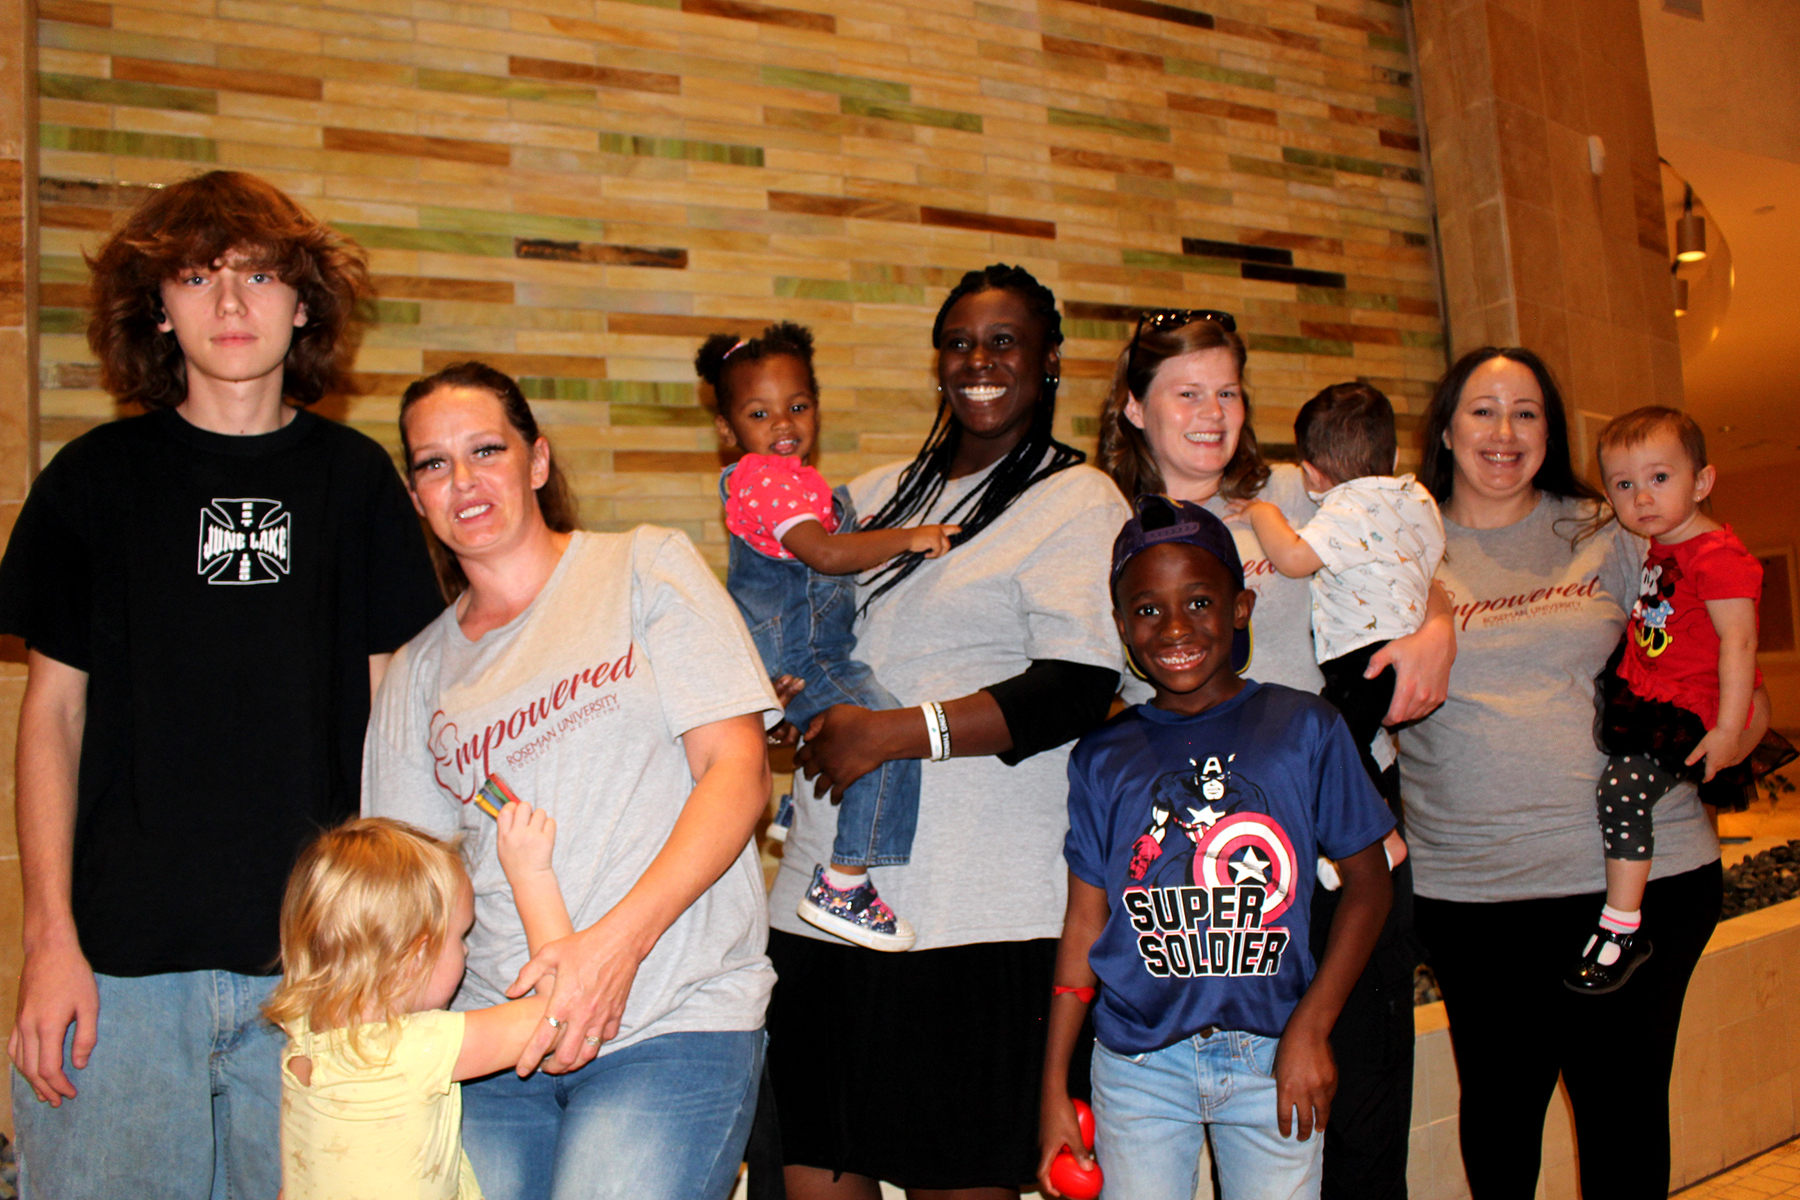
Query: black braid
point(923, 480)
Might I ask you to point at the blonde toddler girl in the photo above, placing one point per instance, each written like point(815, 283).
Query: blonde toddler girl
point(372, 930)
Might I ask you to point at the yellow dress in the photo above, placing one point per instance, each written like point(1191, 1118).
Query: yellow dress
point(383, 1125)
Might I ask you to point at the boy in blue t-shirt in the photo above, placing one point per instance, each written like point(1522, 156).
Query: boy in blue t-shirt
point(1195, 822)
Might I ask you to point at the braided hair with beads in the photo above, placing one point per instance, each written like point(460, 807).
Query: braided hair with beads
point(1036, 457)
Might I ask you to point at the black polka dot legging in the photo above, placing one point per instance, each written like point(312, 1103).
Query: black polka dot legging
point(1628, 790)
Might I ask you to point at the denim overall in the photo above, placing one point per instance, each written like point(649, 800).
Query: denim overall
point(801, 623)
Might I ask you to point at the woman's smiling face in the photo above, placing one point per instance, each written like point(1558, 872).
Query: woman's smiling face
point(1192, 415)
point(1498, 436)
point(471, 475)
point(992, 360)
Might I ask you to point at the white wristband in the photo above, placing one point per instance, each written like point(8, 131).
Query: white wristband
point(932, 732)
point(937, 729)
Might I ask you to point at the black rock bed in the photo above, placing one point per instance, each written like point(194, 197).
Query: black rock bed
point(1762, 879)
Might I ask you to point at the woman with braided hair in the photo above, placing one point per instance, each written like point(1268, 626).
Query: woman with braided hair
point(921, 1068)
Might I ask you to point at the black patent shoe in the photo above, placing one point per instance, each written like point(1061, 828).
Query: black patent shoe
point(1592, 978)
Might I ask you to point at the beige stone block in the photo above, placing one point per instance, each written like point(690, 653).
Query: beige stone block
point(1456, 246)
point(1488, 240)
point(1665, 357)
point(1632, 370)
point(1628, 304)
point(1590, 382)
point(1583, 273)
point(1545, 329)
point(1513, 58)
point(1559, 1132)
point(1443, 1092)
point(1536, 251)
point(1565, 84)
point(1571, 178)
point(1446, 1160)
point(1696, 1153)
point(1470, 61)
point(1419, 1180)
point(1523, 153)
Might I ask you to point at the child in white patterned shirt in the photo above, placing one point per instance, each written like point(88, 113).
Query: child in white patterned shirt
point(1371, 550)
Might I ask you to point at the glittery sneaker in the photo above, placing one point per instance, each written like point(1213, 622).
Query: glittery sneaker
point(858, 915)
point(1598, 972)
point(784, 818)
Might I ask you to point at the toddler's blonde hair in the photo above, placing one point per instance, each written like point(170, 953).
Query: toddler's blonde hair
point(366, 914)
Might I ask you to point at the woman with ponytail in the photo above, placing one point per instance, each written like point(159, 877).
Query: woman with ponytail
point(921, 1068)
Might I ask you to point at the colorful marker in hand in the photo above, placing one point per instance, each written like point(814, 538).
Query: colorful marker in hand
point(493, 796)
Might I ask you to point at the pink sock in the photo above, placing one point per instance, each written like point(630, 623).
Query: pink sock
point(1614, 920)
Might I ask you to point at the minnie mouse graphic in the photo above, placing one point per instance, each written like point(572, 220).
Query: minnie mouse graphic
point(1651, 614)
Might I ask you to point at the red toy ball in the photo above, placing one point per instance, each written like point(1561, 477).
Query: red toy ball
point(1084, 1117)
point(1072, 1180)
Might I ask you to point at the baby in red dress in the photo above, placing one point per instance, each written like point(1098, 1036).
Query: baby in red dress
point(1677, 692)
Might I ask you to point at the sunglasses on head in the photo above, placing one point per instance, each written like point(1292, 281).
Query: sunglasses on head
point(1175, 318)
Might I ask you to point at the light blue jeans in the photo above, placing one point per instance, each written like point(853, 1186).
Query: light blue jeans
point(1152, 1113)
point(180, 1099)
point(665, 1119)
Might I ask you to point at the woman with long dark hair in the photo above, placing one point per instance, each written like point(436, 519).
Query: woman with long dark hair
point(1498, 787)
point(921, 1068)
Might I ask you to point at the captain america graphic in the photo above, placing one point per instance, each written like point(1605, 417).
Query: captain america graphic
point(1211, 827)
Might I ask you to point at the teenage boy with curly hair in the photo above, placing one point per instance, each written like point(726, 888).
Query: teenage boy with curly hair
point(208, 593)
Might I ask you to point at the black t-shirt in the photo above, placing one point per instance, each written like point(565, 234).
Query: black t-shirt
point(224, 595)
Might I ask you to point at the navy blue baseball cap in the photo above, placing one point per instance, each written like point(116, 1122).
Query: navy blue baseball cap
point(1159, 519)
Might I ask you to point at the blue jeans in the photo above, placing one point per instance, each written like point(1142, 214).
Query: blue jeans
point(1152, 1112)
point(665, 1119)
point(180, 1099)
point(801, 622)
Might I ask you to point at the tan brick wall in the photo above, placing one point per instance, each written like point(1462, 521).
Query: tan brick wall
point(579, 190)
point(18, 436)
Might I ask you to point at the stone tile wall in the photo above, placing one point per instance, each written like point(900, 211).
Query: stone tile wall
point(1538, 249)
point(580, 190)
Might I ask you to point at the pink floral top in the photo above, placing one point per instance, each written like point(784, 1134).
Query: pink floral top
point(769, 494)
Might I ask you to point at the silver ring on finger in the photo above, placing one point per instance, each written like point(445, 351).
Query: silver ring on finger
point(553, 1022)
point(591, 1040)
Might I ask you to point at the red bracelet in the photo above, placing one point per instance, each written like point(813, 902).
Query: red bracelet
point(1083, 994)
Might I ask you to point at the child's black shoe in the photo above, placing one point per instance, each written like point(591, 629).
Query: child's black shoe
point(1598, 971)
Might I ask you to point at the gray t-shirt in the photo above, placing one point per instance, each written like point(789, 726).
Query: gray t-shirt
point(579, 703)
point(987, 858)
point(1281, 641)
point(1499, 782)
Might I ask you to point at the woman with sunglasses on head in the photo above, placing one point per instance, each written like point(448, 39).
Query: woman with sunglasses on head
point(921, 1068)
point(1178, 422)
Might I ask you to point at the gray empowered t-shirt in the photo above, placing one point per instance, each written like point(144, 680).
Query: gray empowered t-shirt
point(1499, 782)
point(987, 858)
point(1281, 641)
point(579, 703)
